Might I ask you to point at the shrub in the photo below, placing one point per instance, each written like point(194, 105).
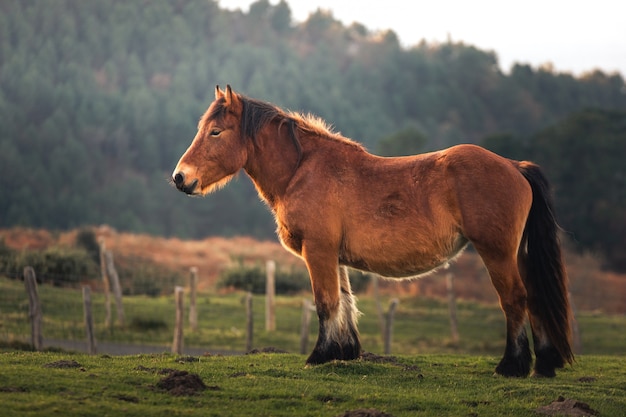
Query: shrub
point(86, 239)
point(142, 276)
point(142, 324)
point(252, 278)
point(56, 264)
point(243, 277)
point(6, 254)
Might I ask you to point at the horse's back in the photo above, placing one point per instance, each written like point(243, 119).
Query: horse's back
point(411, 214)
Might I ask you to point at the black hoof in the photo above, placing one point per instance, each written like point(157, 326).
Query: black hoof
point(334, 351)
point(548, 359)
point(514, 368)
point(517, 358)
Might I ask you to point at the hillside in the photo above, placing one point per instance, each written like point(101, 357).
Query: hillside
point(99, 99)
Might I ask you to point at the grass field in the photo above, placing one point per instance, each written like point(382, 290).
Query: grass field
point(44, 384)
point(430, 376)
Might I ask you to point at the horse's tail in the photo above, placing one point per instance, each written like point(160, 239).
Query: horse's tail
point(542, 267)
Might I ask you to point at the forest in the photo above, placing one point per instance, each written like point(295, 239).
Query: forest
point(98, 100)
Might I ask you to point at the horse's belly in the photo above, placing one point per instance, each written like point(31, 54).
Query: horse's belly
point(403, 262)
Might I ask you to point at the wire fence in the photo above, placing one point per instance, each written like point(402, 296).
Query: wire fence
point(140, 323)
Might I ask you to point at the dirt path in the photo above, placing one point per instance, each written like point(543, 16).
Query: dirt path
point(109, 348)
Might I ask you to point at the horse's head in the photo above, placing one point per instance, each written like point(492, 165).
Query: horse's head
point(218, 151)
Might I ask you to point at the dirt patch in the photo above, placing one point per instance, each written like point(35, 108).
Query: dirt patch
point(63, 364)
point(181, 383)
point(269, 349)
point(472, 403)
point(567, 407)
point(365, 412)
point(392, 360)
point(187, 359)
point(372, 357)
point(159, 371)
point(127, 398)
point(13, 389)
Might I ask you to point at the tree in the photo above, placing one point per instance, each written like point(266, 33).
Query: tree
point(507, 145)
point(98, 101)
point(281, 17)
point(584, 158)
point(408, 141)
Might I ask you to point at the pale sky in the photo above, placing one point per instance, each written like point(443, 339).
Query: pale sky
point(575, 36)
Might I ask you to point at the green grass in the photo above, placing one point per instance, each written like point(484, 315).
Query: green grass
point(280, 385)
point(431, 377)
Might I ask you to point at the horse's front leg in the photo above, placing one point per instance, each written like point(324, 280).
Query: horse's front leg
point(338, 334)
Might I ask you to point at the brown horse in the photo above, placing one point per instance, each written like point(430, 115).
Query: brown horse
point(336, 205)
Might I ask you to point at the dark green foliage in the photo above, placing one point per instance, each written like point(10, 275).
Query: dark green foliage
point(142, 324)
point(404, 142)
point(585, 156)
point(86, 239)
point(57, 265)
point(508, 146)
point(252, 278)
point(142, 276)
point(70, 266)
point(288, 281)
point(7, 260)
point(98, 100)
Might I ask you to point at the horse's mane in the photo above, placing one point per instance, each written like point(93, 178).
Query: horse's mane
point(256, 114)
point(315, 125)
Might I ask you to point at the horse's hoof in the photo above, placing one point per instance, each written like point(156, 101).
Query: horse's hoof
point(513, 369)
point(315, 358)
point(334, 352)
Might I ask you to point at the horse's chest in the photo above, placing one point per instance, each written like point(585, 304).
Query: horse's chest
point(291, 239)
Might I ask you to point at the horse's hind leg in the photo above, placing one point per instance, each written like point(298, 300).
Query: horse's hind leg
point(547, 357)
point(338, 335)
point(512, 293)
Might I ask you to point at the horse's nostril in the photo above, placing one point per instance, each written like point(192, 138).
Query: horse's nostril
point(179, 178)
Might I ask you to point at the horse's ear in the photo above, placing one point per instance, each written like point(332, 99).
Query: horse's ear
point(228, 95)
point(231, 99)
point(218, 93)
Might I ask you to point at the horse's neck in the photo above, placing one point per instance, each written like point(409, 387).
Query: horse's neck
point(272, 162)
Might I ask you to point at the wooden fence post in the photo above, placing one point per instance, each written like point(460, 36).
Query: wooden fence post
point(454, 328)
point(34, 308)
point(270, 292)
point(107, 285)
point(307, 308)
point(91, 338)
point(193, 287)
point(249, 322)
point(177, 345)
point(389, 324)
point(117, 289)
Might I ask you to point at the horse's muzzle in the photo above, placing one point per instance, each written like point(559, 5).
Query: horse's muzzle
point(179, 182)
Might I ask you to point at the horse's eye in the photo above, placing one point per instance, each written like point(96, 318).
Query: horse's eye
point(215, 132)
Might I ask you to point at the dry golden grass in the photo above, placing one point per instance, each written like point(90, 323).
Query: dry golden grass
point(210, 255)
